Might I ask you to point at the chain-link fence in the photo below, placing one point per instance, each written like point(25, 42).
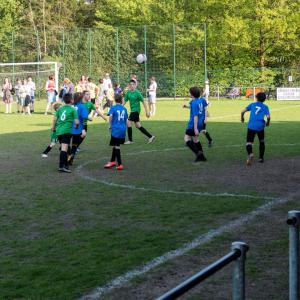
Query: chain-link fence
point(176, 57)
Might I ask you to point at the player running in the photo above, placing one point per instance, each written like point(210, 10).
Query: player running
point(62, 125)
point(135, 98)
point(256, 125)
point(117, 119)
point(198, 107)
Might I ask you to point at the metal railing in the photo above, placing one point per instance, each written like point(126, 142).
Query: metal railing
point(294, 222)
point(237, 255)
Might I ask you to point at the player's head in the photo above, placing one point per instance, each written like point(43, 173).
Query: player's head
point(56, 105)
point(86, 96)
point(132, 84)
point(261, 97)
point(68, 98)
point(118, 98)
point(77, 97)
point(195, 92)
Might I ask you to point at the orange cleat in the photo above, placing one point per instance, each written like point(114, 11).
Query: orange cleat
point(120, 167)
point(109, 165)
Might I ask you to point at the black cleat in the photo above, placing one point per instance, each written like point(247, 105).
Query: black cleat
point(200, 157)
point(210, 144)
point(64, 170)
point(261, 160)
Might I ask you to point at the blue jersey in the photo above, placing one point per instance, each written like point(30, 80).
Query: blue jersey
point(258, 111)
point(197, 108)
point(119, 120)
point(82, 116)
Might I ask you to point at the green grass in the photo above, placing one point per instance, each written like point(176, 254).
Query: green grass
point(63, 235)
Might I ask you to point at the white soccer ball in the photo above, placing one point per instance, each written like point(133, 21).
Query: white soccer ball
point(141, 58)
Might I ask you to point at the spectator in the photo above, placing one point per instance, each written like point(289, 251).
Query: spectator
point(152, 96)
point(51, 93)
point(31, 86)
point(7, 96)
point(93, 89)
point(17, 91)
point(118, 89)
point(106, 82)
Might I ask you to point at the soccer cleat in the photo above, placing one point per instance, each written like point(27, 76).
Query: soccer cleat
point(44, 155)
point(70, 159)
point(120, 167)
point(249, 161)
point(151, 139)
point(261, 160)
point(109, 165)
point(128, 143)
point(64, 170)
point(210, 144)
point(200, 157)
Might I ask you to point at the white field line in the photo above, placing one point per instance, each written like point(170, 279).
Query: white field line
point(200, 240)
point(137, 188)
point(237, 115)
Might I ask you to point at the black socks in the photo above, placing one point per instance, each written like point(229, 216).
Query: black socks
point(63, 159)
point(145, 132)
point(47, 150)
point(129, 132)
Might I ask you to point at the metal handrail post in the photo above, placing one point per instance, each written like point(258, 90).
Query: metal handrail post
point(293, 221)
point(238, 276)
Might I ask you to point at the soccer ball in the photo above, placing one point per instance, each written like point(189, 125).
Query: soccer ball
point(141, 58)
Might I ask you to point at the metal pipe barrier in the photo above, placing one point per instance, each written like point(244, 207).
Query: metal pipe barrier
point(237, 254)
point(293, 221)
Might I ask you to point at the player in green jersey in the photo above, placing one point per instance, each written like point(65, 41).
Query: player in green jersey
point(53, 138)
point(135, 98)
point(62, 125)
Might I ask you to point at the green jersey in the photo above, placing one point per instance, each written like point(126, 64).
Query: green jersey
point(135, 98)
point(65, 118)
point(89, 106)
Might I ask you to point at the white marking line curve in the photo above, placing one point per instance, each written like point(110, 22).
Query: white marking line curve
point(198, 241)
point(133, 187)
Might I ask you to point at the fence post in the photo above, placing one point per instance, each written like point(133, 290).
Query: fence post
point(205, 57)
point(174, 59)
point(63, 51)
point(117, 55)
point(293, 222)
point(13, 54)
point(145, 52)
point(238, 284)
point(90, 51)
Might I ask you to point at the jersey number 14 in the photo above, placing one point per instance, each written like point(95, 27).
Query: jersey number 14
point(121, 115)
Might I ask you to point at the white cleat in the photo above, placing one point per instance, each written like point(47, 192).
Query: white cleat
point(44, 155)
point(128, 143)
point(151, 139)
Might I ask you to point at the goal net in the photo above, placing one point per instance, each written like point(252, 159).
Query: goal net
point(38, 71)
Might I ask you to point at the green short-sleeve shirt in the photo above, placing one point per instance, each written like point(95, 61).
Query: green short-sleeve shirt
point(89, 106)
point(65, 118)
point(135, 98)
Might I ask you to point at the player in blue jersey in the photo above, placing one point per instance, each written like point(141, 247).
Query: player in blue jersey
point(78, 133)
point(118, 119)
point(256, 125)
point(198, 107)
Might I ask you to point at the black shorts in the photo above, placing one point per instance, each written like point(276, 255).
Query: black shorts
point(134, 116)
point(85, 127)
point(116, 141)
point(65, 138)
point(76, 139)
point(190, 132)
point(251, 135)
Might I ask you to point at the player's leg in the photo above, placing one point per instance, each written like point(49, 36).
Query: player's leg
point(189, 142)
point(143, 130)
point(207, 135)
point(200, 155)
point(249, 148)
point(129, 130)
point(262, 147)
point(63, 158)
point(76, 139)
point(48, 149)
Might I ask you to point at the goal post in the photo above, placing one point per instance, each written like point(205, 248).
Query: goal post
point(39, 71)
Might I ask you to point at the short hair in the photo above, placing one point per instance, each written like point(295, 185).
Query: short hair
point(68, 98)
point(56, 105)
point(132, 81)
point(195, 91)
point(85, 91)
point(118, 98)
point(100, 80)
point(89, 79)
point(77, 97)
point(51, 77)
point(261, 97)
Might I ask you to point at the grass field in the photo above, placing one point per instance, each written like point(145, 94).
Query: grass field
point(65, 234)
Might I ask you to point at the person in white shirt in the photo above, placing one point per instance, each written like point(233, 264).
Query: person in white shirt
point(152, 96)
point(31, 86)
point(206, 91)
point(106, 82)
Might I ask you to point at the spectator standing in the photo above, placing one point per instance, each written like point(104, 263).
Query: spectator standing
point(31, 87)
point(51, 93)
point(7, 96)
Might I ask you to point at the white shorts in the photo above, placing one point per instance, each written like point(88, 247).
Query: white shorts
point(152, 99)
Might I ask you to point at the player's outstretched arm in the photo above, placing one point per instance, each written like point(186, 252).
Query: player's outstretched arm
point(146, 109)
point(100, 113)
point(268, 120)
